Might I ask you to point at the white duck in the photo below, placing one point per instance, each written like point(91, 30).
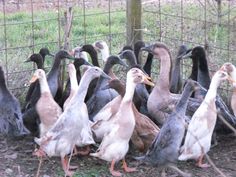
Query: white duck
point(72, 127)
point(102, 47)
point(79, 54)
point(115, 143)
point(231, 70)
point(74, 84)
point(46, 107)
point(198, 139)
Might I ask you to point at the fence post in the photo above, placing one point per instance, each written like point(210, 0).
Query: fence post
point(134, 26)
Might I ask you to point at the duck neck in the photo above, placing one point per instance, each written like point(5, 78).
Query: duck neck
point(164, 77)
point(78, 75)
point(212, 91)
point(44, 85)
point(73, 81)
point(83, 86)
point(131, 59)
point(183, 102)
point(3, 86)
point(105, 54)
point(233, 75)
point(129, 91)
point(39, 64)
point(93, 55)
point(203, 72)
point(108, 67)
point(175, 76)
point(148, 64)
point(194, 72)
point(56, 65)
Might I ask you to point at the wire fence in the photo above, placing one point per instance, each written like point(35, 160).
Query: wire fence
point(28, 25)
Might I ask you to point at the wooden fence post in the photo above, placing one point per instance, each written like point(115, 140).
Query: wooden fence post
point(134, 23)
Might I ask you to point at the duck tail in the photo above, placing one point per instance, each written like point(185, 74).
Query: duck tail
point(96, 154)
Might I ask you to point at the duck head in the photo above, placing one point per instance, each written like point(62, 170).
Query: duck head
point(44, 51)
point(38, 74)
point(231, 70)
point(81, 61)
point(113, 60)
point(101, 46)
point(157, 49)
point(137, 76)
point(129, 56)
point(63, 54)
point(95, 72)
point(196, 52)
point(36, 57)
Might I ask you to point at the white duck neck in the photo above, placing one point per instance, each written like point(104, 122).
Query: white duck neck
point(83, 86)
point(233, 75)
point(105, 53)
point(129, 91)
point(212, 91)
point(73, 81)
point(44, 85)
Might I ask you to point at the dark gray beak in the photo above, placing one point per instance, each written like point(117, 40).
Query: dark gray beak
point(121, 62)
point(188, 54)
point(148, 49)
point(28, 60)
point(52, 55)
point(104, 75)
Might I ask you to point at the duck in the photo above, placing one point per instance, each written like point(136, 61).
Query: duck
point(231, 70)
point(77, 64)
point(145, 129)
point(101, 97)
point(44, 52)
point(200, 129)
point(115, 143)
point(74, 84)
point(30, 115)
point(77, 53)
point(200, 73)
point(141, 93)
point(72, 128)
point(176, 79)
point(200, 64)
point(89, 48)
point(164, 151)
point(46, 107)
point(11, 122)
point(137, 46)
point(38, 59)
point(161, 101)
point(102, 47)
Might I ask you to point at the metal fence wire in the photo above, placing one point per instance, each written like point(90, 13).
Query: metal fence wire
point(28, 25)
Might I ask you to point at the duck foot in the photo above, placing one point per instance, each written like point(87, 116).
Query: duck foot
point(200, 164)
point(126, 168)
point(66, 166)
point(112, 171)
point(39, 153)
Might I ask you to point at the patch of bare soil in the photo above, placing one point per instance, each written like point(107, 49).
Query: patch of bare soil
point(16, 160)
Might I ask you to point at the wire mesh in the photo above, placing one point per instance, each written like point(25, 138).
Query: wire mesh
point(28, 25)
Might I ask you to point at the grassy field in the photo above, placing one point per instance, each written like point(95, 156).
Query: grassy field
point(172, 27)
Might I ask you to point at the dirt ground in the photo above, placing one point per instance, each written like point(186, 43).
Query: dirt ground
point(16, 160)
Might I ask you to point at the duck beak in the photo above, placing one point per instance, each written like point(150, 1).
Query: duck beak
point(33, 79)
point(121, 62)
point(147, 81)
point(105, 76)
point(188, 54)
point(28, 60)
point(52, 55)
point(148, 49)
point(231, 80)
point(87, 63)
point(70, 57)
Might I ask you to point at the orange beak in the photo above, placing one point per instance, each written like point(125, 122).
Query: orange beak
point(147, 80)
point(33, 79)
